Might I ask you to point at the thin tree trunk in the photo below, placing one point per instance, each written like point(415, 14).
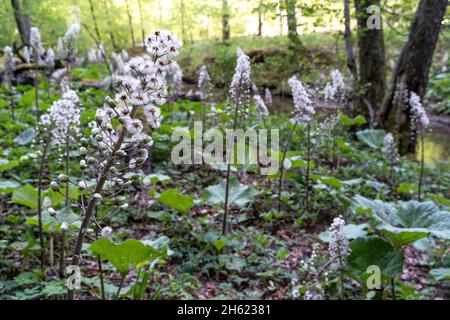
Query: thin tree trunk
point(260, 18)
point(22, 21)
point(225, 21)
point(108, 20)
point(94, 19)
point(351, 63)
point(130, 22)
point(372, 63)
point(412, 70)
point(182, 21)
point(292, 25)
point(141, 18)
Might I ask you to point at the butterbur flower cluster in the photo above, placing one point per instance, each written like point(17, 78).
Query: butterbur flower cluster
point(338, 247)
point(268, 97)
point(241, 84)
point(337, 89)
point(175, 77)
point(389, 149)
point(35, 42)
point(303, 105)
point(401, 96)
point(419, 117)
point(204, 85)
point(65, 114)
point(260, 105)
point(10, 64)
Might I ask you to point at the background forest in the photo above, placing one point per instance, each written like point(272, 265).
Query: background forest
point(96, 97)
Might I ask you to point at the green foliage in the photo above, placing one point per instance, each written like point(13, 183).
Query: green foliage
point(174, 199)
point(372, 138)
point(238, 194)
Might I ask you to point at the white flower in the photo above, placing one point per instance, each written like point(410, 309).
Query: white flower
point(389, 149)
point(338, 247)
point(303, 106)
point(82, 185)
point(35, 42)
point(134, 126)
point(204, 83)
point(241, 83)
point(50, 57)
point(45, 120)
point(106, 232)
point(163, 43)
point(419, 116)
point(268, 97)
point(260, 105)
point(64, 226)
point(72, 32)
point(336, 90)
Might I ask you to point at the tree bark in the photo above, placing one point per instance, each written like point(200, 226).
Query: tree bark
point(22, 21)
point(372, 63)
point(94, 18)
point(292, 25)
point(351, 63)
point(130, 22)
point(141, 18)
point(108, 20)
point(225, 21)
point(260, 18)
point(412, 70)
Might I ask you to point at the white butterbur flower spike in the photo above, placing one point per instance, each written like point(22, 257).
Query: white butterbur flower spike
point(389, 149)
point(338, 247)
point(106, 232)
point(35, 42)
point(72, 32)
point(241, 84)
point(66, 116)
point(260, 105)
point(268, 97)
point(303, 105)
point(50, 58)
point(175, 77)
point(27, 54)
point(419, 116)
point(337, 89)
point(204, 84)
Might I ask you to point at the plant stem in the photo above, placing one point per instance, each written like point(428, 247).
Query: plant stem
point(227, 179)
point(67, 165)
point(281, 178)
point(39, 198)
point(36, 97)
point(422, 164)
point(393, 288)
point(62, 253)
point(76, 256)
point(99, 262)
point(122, 280)
point(308, 159)
point(341, 278)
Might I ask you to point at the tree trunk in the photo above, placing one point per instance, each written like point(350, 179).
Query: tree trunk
point(141, 18)
point(292, 25)
point(351, 63)
point(94, 18)
point(372, 64)
point(22, 21)
point(130, 22)
point(108, 20)
point(225, 21)
point(183, 21)
point(412, 70)
point(260, 20)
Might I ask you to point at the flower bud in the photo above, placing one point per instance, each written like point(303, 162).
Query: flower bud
point(83, 164)
point(83, 151)
point(64, 226)
point(81, 185)
point(52, 212)
point(55, 186)
point(99, 137)
point(124, 206)
point(84, 142)
point(127, 184)
point(91, 160)
point(98, 196)
point(110, 102)
point(63, 178)
point(121, 153)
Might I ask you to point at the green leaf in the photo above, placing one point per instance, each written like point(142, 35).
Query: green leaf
point(25, 137)
point(407, 222)
point(239, 195)
point(407, 188)
point(369, 251)
point(155, 178)
point(346, 121)
point(128, 253)
point(219, 244)
point(26, 195)
point(331, 181)
point(8, 186)
point(6, 164)
point(440, 274)
point(174, 199)
point(352, 231)
point(372, 138)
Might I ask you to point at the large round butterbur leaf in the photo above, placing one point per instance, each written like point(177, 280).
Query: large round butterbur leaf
point(8, 186)
point(239, 195)
point(351, 231)
point(25, 137)
point(372, 138)
point(441, 274)
point(124, 255)
point(26, 195)
point(6, 164)
point(407, 222)
point(174, 199)
point(374, 251)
